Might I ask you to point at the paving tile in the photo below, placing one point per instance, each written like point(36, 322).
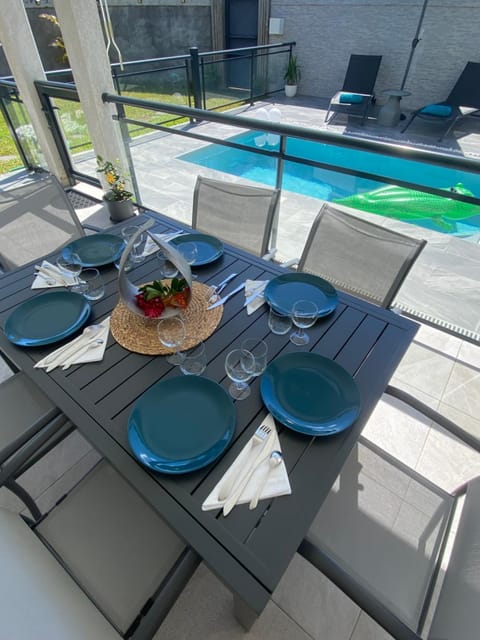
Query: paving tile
point(463, 389)
point(368, 629)
point(314, 602)
point(469, 354)
point(205, 610)
point(446, 461)
point(398, 429)
point(425, 369)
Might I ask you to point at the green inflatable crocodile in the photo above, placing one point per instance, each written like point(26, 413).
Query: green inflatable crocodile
point(409, 205)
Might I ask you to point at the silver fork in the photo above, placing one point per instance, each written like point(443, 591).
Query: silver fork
point(250, 468)
point(258, 437)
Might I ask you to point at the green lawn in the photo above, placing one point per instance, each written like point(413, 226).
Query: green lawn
point(9, 158)
point(75, 129)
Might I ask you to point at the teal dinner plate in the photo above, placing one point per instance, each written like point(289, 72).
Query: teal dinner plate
point(47, 318)
point(96, 250)
point(282, 292)
point(181, 424)
point(209, 248)
point(310, 394)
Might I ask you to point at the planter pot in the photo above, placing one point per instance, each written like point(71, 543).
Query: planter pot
point(119, 210)
point(290, 90)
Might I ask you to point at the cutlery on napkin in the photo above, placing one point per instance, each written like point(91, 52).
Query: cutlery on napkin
point(254, 294)
point(276, 484)
point(48, 275)
point(88, 347)
point(151, 247)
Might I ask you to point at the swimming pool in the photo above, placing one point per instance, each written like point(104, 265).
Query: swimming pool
point(441, 214)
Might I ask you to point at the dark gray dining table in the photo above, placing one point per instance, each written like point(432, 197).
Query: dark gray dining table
point(249, 550)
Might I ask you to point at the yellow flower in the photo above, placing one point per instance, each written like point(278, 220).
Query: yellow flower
point(110, 178)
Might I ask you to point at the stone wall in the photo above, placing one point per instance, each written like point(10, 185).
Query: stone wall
point(328, 31)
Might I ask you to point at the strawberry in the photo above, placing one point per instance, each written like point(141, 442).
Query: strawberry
point(153, 297)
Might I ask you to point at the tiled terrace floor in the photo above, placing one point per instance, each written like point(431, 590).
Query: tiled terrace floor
point(442, 370)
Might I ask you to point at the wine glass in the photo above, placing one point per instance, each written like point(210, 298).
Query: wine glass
point(189, 251)
point(304, 315)
point(166, 268)
point(171, 333)
point(127, 234)
point(239, 365)
point(194, 362)
point(258, 348)
point(71, 265)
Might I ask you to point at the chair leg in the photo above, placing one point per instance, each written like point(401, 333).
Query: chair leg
point(452, 126)
point(409, 122)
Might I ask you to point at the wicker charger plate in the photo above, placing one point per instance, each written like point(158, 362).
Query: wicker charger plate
point(140, 334)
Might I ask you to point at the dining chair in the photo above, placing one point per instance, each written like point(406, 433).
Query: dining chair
point(358, 256)
point(403, 549)
point(36, 218)
point(357, 92)
point(240, 214)
point(100, 564)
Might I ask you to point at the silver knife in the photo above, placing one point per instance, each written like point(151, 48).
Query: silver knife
point(225, 298)
point(254, 295)
point(218, 288)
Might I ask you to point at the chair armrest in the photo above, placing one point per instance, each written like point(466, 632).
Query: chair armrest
point(437, 417)
point(270, 254)
point(91, 227)
point(290, 263)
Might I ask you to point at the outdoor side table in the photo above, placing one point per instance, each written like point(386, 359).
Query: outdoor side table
point(389, 114)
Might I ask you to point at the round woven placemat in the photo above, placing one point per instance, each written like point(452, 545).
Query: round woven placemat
point(140, 334)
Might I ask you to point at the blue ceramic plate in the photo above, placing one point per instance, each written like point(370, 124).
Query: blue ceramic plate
point(282, 292)
point(209, 248)
point(310, 394)
point(96, 250)
point(181, 424)
point(47, 318)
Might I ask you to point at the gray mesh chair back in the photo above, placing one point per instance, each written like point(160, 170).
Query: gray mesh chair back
point(357, 256)
point(237, 213)
point(36, 218)
point(382, 536)
point(358, 87)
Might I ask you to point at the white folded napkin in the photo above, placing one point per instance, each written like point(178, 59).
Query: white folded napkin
point(251, 287)
point(277, 483)
point(151, 247)
point(49, 275)
point(78, 353)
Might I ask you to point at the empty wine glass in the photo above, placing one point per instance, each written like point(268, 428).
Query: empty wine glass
point(239, 365)
point(258, 348)
point(127, 234)
point(166, 268)
point(171, 333)
point(189, 251)
point(304, 315)
point(70, 264)
point(194, 361)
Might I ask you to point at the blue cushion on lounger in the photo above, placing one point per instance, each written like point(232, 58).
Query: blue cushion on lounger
point(351, 98)
point(441, 110)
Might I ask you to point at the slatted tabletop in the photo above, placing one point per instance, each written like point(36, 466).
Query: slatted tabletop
point(248, 550)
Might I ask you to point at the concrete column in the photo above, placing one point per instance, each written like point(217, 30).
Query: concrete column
point(85, 44)
point(24, 61)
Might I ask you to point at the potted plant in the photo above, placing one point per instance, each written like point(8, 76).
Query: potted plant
point(117, 199)
point(292, 77)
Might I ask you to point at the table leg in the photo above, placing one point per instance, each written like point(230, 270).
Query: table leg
point(243, 612)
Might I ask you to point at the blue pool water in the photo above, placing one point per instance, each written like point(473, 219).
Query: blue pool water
point(330, 185)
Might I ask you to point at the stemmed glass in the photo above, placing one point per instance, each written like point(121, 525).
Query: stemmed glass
point(127, 234)
point(304, 315)
point(71, 265)
point(166, 268)
point(189, 251)
point(258, 348)
point(171, 333)
point(239, 365)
